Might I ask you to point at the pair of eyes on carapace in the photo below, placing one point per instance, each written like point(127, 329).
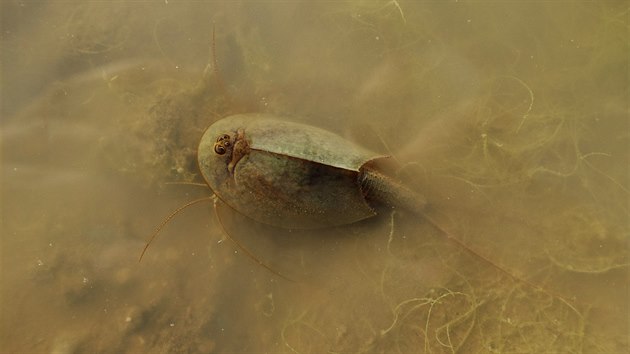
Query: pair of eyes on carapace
point(222, 144)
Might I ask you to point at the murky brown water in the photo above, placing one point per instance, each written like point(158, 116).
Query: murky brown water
point(512, 119)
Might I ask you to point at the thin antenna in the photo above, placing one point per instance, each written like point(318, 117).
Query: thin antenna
point(245, 250)
point(168, 218)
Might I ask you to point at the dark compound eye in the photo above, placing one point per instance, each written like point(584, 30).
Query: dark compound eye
point(219, 149)
point(223, 138)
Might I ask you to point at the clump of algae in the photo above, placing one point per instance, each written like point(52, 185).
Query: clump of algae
point(478, 308)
